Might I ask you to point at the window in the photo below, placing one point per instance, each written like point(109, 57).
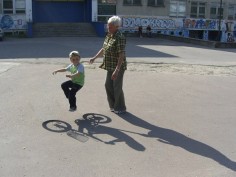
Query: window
point(0, 7)
point(13, 6)
point(106, 1)
point(132, 2)
point(106, 9)
point(198, 10)
point(20, 6)
point(7, 7)
point(177, 8)
point(216, 11)
point(232, 12)
point(155, 3)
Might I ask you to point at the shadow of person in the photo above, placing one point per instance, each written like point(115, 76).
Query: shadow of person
point(91, 127)
point(174, 138)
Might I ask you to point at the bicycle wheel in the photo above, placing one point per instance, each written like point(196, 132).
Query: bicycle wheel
point(96, 119)
point(56, 126)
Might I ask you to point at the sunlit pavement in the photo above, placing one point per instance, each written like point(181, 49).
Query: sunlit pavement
point(180, 122)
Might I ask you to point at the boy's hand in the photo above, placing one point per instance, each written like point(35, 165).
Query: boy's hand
point(69, 76)
point(54, 72)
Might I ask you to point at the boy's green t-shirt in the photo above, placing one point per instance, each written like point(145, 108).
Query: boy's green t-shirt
point(73, 69)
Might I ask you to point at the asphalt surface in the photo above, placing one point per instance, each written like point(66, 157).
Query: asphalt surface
point(180, 122)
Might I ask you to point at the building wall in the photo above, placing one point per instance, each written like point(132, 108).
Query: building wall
point(61, 11)
point(206, 29)
point(159, 19)
point(55, 12)
point(13, 22)
point(44, 11)
point(145, 10)
point(225, 5)
point(133, 16)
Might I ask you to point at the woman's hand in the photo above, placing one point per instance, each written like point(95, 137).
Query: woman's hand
point(91, 60)
point(115, 74)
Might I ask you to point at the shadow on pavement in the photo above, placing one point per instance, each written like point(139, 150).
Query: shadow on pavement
point(174, 138)
point(56, 126)
point(90, 126)
point(94, 127)
point(61, 47)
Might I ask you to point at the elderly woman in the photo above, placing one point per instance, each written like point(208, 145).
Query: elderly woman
point(114, 61)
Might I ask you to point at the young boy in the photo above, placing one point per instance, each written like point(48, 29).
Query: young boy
point(71, 87)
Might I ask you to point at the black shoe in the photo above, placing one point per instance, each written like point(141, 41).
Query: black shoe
point(72, 109)
point(120, 112)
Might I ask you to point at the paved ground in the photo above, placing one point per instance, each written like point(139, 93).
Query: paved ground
point(181, 104)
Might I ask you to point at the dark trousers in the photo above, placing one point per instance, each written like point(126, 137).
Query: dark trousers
point(115, 94)
point(70, 89)
point(149, 34)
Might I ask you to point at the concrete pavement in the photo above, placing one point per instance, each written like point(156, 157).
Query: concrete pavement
point(151, 50)
point(180, 122)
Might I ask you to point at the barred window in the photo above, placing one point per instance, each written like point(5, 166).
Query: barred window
point(232, 12)
point(106, 1)
point(132, 2)
point(0, 7)
point(198, 10)
point(7, 7)
point(216, 10)
point(177, 8)
point(155, 3)
point(19, 6)
point(13, 6)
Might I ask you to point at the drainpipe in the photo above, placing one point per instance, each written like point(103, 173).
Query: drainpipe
point(219, 36)
point(29, 19)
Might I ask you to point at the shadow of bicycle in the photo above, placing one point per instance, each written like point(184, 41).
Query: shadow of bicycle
point(90, 126)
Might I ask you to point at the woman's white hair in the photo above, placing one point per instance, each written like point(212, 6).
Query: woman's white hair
point(114, 20)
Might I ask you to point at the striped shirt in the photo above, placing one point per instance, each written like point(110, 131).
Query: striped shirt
point(112, 46)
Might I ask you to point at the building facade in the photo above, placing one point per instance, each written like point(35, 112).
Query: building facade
point(16, 14)
point(203, 19)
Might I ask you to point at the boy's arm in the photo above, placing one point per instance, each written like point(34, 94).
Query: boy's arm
point(59, 70)
point(80, 69)
point(73, 75)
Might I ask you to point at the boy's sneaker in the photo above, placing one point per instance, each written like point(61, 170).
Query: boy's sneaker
point(112, 109)
point(119, 112)
point(72, 109)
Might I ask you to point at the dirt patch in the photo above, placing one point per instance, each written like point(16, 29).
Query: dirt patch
point(189, 69)
point(5, 66)
point(178, 68)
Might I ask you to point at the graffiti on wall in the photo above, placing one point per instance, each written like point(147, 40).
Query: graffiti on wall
point(168, 23)
point(228, 31)
point(132, 23)
point(180, 27)
point(200, 24)
point(11, 22)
